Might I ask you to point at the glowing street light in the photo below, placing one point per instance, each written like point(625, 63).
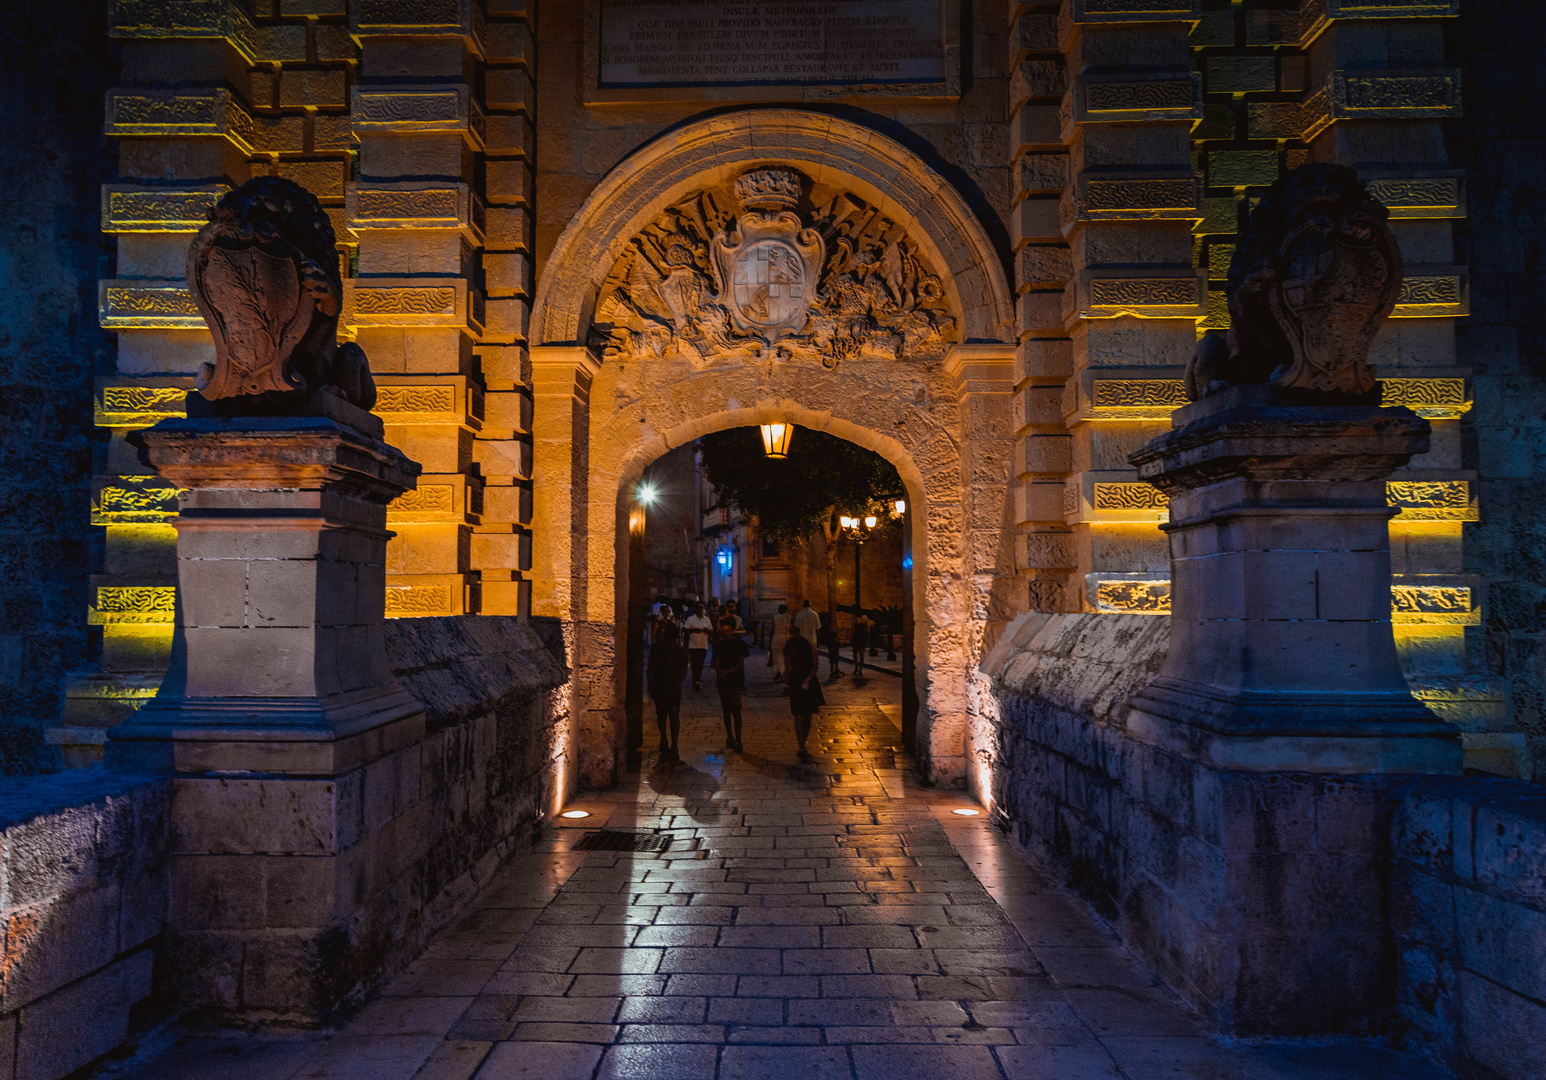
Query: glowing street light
point(775, 439)
point(901, 507)
point(647, 494)
point(870, 521)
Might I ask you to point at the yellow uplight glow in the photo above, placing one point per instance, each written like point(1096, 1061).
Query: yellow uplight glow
point(775, 439)
point(575, 813)
point(966, 811)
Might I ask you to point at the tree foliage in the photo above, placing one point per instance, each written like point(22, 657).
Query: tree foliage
point(796, 497)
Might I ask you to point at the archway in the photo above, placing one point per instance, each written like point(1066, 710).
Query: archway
point(629, 363)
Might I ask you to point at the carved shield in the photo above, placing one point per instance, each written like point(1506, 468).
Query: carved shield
point(767, 272)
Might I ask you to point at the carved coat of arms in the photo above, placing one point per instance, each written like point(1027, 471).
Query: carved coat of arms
point(712, 286)
point(766, 271)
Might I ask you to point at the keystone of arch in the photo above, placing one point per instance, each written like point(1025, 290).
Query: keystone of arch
point(830, 150)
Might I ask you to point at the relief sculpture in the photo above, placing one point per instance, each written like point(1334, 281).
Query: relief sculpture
point(707, 285)
point(1315, 273)
point(264, 273)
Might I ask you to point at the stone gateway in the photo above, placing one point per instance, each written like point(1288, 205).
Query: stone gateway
point(364, 370)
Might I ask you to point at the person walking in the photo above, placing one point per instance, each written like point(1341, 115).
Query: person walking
point(860, 641)
point(667, 668)
point(733, 611)
point(809, 624)
point(781, 624)
point(730, 653)
point(834, 652)
point(698, 628)
point(805, 696)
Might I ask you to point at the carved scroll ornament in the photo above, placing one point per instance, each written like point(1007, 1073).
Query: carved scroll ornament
point(706, 285)
point(264, 273)
point(1315, 273)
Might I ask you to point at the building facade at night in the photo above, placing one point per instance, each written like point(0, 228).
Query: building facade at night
point(981, 238)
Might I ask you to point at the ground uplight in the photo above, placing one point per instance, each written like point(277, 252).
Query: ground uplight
point(966, 811)
point(575, 813)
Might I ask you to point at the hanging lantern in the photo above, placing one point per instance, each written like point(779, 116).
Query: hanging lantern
point(775, 439)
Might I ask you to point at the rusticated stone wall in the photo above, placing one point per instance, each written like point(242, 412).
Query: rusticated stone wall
point(1502, 146)
point(1468, 918)
point(91, 866)
point(1439, 883)
point(55, 62)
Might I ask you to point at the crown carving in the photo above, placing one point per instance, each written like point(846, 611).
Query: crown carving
point(769, 189)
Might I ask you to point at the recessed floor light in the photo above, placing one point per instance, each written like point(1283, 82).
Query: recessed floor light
point(966, 811)
point(575, 813)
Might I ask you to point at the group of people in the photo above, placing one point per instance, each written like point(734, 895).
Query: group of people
point(679, 645)
point(809, 624)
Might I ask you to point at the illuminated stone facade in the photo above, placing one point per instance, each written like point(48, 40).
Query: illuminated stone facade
point(1101, 153)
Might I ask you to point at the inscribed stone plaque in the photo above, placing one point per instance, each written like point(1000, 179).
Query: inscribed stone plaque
point(667, 43)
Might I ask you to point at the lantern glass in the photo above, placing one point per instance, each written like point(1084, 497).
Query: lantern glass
point(869, 522)
point(775, 439)
point(901, 506)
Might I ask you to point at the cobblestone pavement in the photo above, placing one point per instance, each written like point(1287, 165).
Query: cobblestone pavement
point(825, 920)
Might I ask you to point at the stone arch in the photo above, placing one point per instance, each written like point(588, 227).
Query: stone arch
point(671, 167)
point(943, 421)
point(861, 403)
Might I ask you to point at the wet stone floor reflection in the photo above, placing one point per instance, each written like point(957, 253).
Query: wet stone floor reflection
point(824, 920)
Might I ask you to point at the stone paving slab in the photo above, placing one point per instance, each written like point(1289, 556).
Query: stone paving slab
point(807, 921)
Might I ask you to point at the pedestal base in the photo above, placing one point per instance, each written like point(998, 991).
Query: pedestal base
point(1339, 732)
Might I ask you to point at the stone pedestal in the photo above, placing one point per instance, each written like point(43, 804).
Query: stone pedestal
point(1282, 655)
point(279, 718)
point(1280, 717)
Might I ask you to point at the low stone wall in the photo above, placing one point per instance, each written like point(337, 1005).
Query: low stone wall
point(89, 870)
point(418, 826)
point(1438, 886)
point(1468, 913)
point(83, 892)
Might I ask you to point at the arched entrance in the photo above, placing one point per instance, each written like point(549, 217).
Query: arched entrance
point(851, 291)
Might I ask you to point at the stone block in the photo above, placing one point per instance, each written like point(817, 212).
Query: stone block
point(231, 815)
point(1501, 1030)
point(506, 273)
point(508, 410)
point(1040, 266)
point(1035, 125)
point(1503, 942)
point(507, 181)
point(509, 88)
point(1036, 79)
point(504, 457)
point(1039, 310)
point(56, 942)
point(1036, 219)
point(507, 503)
point(1242, 168)
point(1042, 173)
point(81, 1022)
point(1044, 358)
point(317, 89)
point(1505, 856)
point(509, 133)
point(507, 317)
point(508, 227)
point(509, 41)
point(1241, 74)
point(496, 551)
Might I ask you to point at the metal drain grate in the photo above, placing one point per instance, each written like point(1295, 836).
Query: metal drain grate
point(607, 840)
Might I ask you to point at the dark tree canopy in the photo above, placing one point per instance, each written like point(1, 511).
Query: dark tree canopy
point(796, 496)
